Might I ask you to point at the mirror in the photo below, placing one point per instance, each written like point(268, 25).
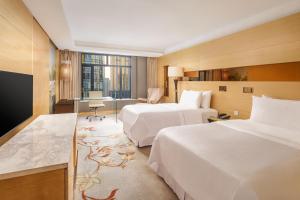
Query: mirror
point(270, 72)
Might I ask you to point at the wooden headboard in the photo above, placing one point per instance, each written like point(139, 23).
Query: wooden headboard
point(234, 98)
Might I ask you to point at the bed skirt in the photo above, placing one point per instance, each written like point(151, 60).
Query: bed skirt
point(178, 190)
point(139, 143)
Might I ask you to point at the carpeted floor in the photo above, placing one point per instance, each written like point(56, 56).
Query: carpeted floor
point(110, 167)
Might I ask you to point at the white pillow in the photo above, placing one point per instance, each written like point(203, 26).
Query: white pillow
point(265, 96)
point(277, 112)
point(206, 98)
point(191, 98)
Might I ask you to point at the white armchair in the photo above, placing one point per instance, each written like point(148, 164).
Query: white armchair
point(153, 96)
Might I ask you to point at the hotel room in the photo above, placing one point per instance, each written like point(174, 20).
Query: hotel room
point(172, 100)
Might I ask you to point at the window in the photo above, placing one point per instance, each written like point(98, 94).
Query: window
point(110, 74)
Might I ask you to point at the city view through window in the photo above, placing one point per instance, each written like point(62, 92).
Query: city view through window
point(109, 74)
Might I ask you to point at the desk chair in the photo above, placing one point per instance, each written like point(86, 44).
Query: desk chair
point(95, 102)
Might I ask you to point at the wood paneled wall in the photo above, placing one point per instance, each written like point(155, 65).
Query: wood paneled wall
point(274, 42)
point(234, 98)
point(15, 37)
point(24, 48)
point(41, 57)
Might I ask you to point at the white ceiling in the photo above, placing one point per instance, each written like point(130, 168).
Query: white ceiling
point(150, 27)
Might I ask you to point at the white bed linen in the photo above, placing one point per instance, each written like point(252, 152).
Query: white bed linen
point(142, 122)
point(230, 160)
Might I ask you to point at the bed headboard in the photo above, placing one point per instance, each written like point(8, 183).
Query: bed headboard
point(235, 99)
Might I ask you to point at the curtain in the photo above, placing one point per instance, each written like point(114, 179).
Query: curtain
point(152, 73)
point(69, 75)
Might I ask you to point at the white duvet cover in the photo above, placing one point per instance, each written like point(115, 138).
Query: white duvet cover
point(142, 122)
point(229, 160)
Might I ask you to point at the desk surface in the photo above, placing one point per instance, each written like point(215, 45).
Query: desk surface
point(45, 143)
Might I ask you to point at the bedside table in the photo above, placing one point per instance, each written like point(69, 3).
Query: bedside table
point(221, 117)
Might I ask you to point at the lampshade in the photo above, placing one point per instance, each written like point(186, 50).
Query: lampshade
point(175, 71)
point(64, 70)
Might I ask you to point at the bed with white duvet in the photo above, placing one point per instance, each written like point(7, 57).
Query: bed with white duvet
point(250, 159)
point(142, 122)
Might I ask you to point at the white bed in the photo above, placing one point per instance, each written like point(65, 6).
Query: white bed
point(234, 160)
point(142, 122)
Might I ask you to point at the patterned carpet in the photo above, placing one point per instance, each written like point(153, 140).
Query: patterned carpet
point(110, 167)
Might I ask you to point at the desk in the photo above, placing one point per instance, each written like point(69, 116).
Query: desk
point(64, 106)
point(103, 99)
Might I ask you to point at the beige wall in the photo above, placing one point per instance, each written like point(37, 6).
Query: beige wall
point(24, 48)
point(274, 42)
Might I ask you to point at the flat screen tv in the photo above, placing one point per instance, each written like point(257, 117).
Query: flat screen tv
point(16, 99)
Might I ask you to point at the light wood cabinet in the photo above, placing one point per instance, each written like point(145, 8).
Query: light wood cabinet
point(55, 177)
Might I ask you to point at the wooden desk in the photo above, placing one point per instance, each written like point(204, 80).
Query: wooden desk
point(40, 161)
point(64, 106)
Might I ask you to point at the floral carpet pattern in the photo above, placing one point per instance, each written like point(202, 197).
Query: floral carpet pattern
point(108, 161)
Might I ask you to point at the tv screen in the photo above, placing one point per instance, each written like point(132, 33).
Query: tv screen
point(16, 99)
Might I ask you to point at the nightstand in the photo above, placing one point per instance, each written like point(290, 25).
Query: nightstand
point(221, 117)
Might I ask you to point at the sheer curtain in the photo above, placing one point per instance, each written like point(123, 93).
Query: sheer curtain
point(152, 73)
point(70, 75)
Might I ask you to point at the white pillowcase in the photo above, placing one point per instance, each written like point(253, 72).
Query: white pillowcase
point(206, 98)
point(265, 96)
point(277, 112)
point(191, 99)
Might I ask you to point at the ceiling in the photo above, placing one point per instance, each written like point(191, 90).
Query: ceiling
point(150, 27)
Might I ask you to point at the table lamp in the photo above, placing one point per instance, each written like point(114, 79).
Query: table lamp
point(176, 73)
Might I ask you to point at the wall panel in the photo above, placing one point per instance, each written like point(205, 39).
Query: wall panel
point(15, 37)
point(274, 42)
point(41, 57)
point(24, 48)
